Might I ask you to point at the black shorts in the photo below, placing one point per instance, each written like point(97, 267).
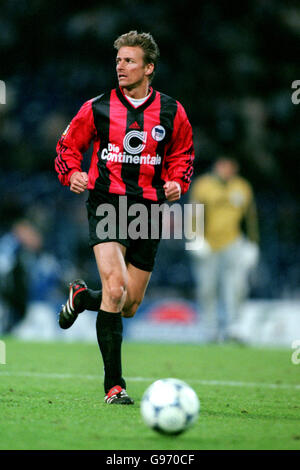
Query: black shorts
point(120, 222)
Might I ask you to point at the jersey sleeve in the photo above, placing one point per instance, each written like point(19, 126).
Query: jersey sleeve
point(180, 153)
point(74, 142)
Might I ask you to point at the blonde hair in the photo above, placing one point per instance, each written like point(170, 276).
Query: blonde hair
point(143, 40)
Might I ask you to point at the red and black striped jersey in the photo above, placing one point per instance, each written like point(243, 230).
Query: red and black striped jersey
point(135, 150)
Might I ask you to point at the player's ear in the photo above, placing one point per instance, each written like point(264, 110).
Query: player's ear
point(149, 68)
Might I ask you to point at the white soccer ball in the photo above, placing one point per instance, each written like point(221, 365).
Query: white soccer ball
point(170, 406)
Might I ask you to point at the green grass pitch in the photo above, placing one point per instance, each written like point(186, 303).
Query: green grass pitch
point(51, 397)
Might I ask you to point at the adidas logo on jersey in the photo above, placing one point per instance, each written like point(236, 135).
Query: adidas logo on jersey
point(134, 125)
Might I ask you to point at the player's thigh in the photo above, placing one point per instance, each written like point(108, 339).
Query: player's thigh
point(110, 259)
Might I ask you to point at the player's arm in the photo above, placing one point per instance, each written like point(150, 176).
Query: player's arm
point(251, 222)
point(197, 196)
point(251, 230)
point(70, 148)
point(180, 157)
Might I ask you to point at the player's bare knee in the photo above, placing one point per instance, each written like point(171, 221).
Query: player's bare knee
point(114, 294)
point(117, 294)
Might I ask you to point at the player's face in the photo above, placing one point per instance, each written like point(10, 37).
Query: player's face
point(226, 169)
point(131, 70)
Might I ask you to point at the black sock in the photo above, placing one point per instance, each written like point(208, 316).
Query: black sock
point(89, 299)
point(109, 329)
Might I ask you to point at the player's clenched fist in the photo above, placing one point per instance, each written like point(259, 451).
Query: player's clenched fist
point(172, 190)
point(78, 182)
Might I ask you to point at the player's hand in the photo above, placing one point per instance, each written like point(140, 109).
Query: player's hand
point(172, 190)
point(78, 182)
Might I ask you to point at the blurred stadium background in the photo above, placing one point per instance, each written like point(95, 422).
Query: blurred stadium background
point(232, 67)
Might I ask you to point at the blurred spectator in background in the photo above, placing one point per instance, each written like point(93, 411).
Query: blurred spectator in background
point(222, 263)
point(27, 274)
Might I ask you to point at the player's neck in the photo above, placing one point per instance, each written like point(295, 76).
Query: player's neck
point(139, 92)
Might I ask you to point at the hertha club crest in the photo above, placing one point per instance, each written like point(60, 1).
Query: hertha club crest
point(158, 133)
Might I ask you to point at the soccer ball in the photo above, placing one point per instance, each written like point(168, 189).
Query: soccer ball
point(170, 406)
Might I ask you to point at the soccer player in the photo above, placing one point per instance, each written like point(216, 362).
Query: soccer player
point(142, 149)
point(231, 250)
